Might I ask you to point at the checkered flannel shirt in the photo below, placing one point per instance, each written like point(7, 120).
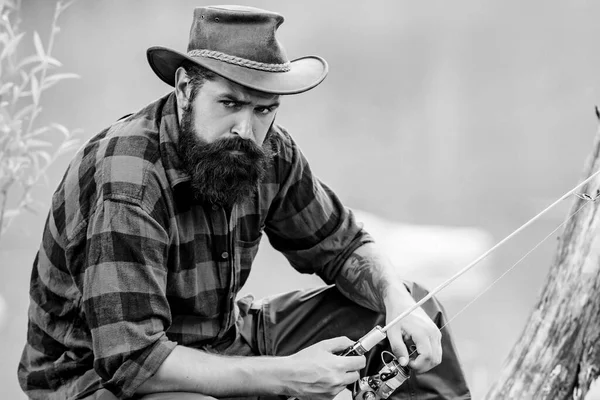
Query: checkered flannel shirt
point(130, 265)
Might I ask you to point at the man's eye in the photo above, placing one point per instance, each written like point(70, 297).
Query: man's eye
point(230, 104)
point(264, 110)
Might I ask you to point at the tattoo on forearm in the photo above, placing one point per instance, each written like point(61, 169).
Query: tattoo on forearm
point(362, 281)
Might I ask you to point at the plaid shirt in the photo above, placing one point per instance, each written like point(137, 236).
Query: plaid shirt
point(130, 266)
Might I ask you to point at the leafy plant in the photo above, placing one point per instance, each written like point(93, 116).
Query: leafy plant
point(26, 151)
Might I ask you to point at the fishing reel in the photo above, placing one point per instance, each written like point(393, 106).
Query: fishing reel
point(384, 383)
point(390, 376)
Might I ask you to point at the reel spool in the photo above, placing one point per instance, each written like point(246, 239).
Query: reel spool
point(384, 383)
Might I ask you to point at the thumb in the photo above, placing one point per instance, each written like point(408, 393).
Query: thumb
point(399, 349)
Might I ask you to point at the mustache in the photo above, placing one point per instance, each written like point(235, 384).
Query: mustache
point(236, 144)
point(220, 148)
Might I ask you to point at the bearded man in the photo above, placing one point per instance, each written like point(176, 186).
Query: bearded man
point(154, 227)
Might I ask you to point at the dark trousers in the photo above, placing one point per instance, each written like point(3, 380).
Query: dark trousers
point(284, 324)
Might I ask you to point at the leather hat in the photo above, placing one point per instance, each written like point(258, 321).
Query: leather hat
point(239, 44)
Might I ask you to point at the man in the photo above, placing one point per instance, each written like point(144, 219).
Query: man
point(154, 228)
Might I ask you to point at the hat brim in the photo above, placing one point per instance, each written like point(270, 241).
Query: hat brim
point(305, 73)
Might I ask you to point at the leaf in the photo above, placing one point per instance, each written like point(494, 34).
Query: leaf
point(11, 5)
point(60, 77)
point(12, 213)
point(53, 61)
point(6, 87)
point(39, 48)
point(16, 93)
point(76, 132)
point(37, 203)
point(37, 69)
point(45, 179)
point(19, 163)
point(30, 208)
point(11, 46)
point(34, 159)
point(45, 156)
point(35, 90)
point(24, 76)
point(37, 132)
point(46, 85)
point(28, 60)
point(4, 139)
point(67, 146)
point(54, 79)
point(63, 6)
point(61, 128)
point(23, 111)
point(37, 143)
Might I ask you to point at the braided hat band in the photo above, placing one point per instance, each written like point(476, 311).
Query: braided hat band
point(243, 62)
point(239, 43)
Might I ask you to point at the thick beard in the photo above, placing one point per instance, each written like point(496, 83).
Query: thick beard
point(217, 175)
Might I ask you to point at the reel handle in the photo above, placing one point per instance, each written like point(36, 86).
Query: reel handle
point(361, 346)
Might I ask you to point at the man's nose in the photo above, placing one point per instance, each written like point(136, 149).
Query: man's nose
point(243, 125)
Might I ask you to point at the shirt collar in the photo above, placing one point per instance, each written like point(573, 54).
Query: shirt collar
point(168, 138)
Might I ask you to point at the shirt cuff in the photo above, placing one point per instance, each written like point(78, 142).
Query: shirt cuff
point(330, 273)
point(131, 375)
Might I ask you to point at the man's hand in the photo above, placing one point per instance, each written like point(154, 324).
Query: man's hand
point(419, 328)
point(319, 373)
point(368, 278)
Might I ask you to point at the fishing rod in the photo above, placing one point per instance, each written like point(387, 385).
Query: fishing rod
point(393, 374)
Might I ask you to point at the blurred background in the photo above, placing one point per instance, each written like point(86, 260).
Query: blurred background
point(446, 125)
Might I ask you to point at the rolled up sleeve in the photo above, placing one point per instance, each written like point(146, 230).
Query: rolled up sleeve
point(307, 221)
point(124, 295)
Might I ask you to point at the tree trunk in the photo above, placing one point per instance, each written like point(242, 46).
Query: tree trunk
point(558, 354)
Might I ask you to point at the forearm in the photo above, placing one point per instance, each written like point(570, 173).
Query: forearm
point(190, 370)
point(370, 279)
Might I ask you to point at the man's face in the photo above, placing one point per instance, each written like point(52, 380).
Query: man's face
point(223, 109)
point(223, 130)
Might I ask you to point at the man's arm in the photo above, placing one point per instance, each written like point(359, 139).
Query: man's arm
point(370, 279)
point(128, 313)
point(191, 370)
point(314, 372)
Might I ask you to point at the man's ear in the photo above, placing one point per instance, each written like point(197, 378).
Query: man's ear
point(182, 88)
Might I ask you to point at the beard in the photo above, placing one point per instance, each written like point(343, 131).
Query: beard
point(219, 176)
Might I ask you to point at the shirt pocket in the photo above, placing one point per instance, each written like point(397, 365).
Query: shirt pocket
point(246, 251)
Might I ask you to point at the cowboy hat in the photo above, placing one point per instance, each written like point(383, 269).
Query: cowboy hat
point(239, 44)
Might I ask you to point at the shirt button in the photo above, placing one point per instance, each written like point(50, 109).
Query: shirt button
point(224, 255)
point(215, 207)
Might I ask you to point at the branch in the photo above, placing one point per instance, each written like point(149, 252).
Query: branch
point(53, 30)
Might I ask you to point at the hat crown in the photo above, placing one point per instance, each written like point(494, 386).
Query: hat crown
point(245, 32)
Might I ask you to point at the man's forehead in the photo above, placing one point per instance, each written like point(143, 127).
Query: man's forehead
point(224, 86)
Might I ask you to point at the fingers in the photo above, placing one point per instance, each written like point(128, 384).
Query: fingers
point(336, 344)
point(436, 346)
point(429, 348)
point(424, 359)
point(354, 363)
point(399, 349)
point(350, 363)
point(351, 377)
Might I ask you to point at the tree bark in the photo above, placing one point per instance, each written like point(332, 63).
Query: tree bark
point(558, 353)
